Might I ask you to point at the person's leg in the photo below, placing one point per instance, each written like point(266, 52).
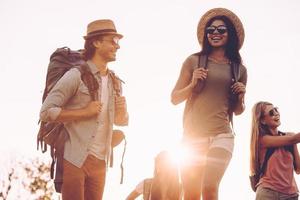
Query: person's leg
point(73, 182)
point(191, 177)
point(95, 181)
point(216, 164)
point(193, 168)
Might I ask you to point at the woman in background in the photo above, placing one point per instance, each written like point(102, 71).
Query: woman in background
point(165, 183)
point(277, 181)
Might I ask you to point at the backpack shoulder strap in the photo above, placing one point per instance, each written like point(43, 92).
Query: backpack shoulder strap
point(117, 82)
point(269, 153)
point(235, 71)
point(235, 76)
point(289, 148)
point(202, 61)
point(89, 80)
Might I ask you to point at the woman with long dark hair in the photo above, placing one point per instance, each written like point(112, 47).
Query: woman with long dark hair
point(165, 183)
point(276, 179)
point(212, 82)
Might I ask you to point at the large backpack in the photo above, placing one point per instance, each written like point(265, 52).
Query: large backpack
point(53, 133)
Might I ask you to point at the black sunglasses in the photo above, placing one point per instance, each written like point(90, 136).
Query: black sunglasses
point(273, 112)
point(221, 29)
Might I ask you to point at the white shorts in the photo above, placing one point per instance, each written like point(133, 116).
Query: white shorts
point(198, 148)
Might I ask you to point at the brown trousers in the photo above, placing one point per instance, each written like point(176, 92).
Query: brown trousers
point(85, 183)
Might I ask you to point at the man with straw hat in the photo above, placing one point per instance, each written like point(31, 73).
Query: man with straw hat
point(212, 82)
point(89, 122)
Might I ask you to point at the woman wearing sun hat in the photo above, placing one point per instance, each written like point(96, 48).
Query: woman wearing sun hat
point(212, 82)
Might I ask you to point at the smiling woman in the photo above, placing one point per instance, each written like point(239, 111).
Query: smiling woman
point(212, 82)
point(274, 155)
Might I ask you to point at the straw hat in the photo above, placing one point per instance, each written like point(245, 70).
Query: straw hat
point(220, 12)
point(101, 27)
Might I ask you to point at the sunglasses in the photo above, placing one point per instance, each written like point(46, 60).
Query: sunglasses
point(221, 29)
point(114, 40)
point(273, 112)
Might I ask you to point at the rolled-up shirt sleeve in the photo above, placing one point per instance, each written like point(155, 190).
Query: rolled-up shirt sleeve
point(64, 89)
point(51, 114)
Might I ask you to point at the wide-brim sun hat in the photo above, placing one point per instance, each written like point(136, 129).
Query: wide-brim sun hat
point(220, 12)
point(101, 27)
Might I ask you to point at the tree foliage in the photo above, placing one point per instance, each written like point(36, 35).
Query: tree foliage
point(28, 179)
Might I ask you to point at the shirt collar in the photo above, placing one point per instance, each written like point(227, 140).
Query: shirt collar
point(94, 68)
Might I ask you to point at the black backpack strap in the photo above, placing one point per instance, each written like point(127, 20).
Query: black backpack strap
point(289, 148)
point(235, 76)
point(269, 153)
point(202, 61)
point(235, 71)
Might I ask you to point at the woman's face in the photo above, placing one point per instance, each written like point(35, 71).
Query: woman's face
point(271, 116)
point(217, 33)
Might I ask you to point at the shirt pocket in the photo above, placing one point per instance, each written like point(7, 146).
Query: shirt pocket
point(83, 90)
point(81, 98)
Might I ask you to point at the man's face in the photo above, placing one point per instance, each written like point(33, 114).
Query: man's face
point(107, 46)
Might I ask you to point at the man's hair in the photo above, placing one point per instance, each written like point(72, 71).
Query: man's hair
point(89, 48)
point(232, 45)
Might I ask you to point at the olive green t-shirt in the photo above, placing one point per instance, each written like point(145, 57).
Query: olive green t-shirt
point(206, 113)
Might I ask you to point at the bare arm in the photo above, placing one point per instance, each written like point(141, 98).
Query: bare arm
point(296, 159)
point(187, 80)
point(240, 107)
point(133, 195)
point(181, 95)
point(279, 141)
point(240, 89)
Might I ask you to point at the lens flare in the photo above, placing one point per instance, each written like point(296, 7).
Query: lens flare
point(180, 154)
